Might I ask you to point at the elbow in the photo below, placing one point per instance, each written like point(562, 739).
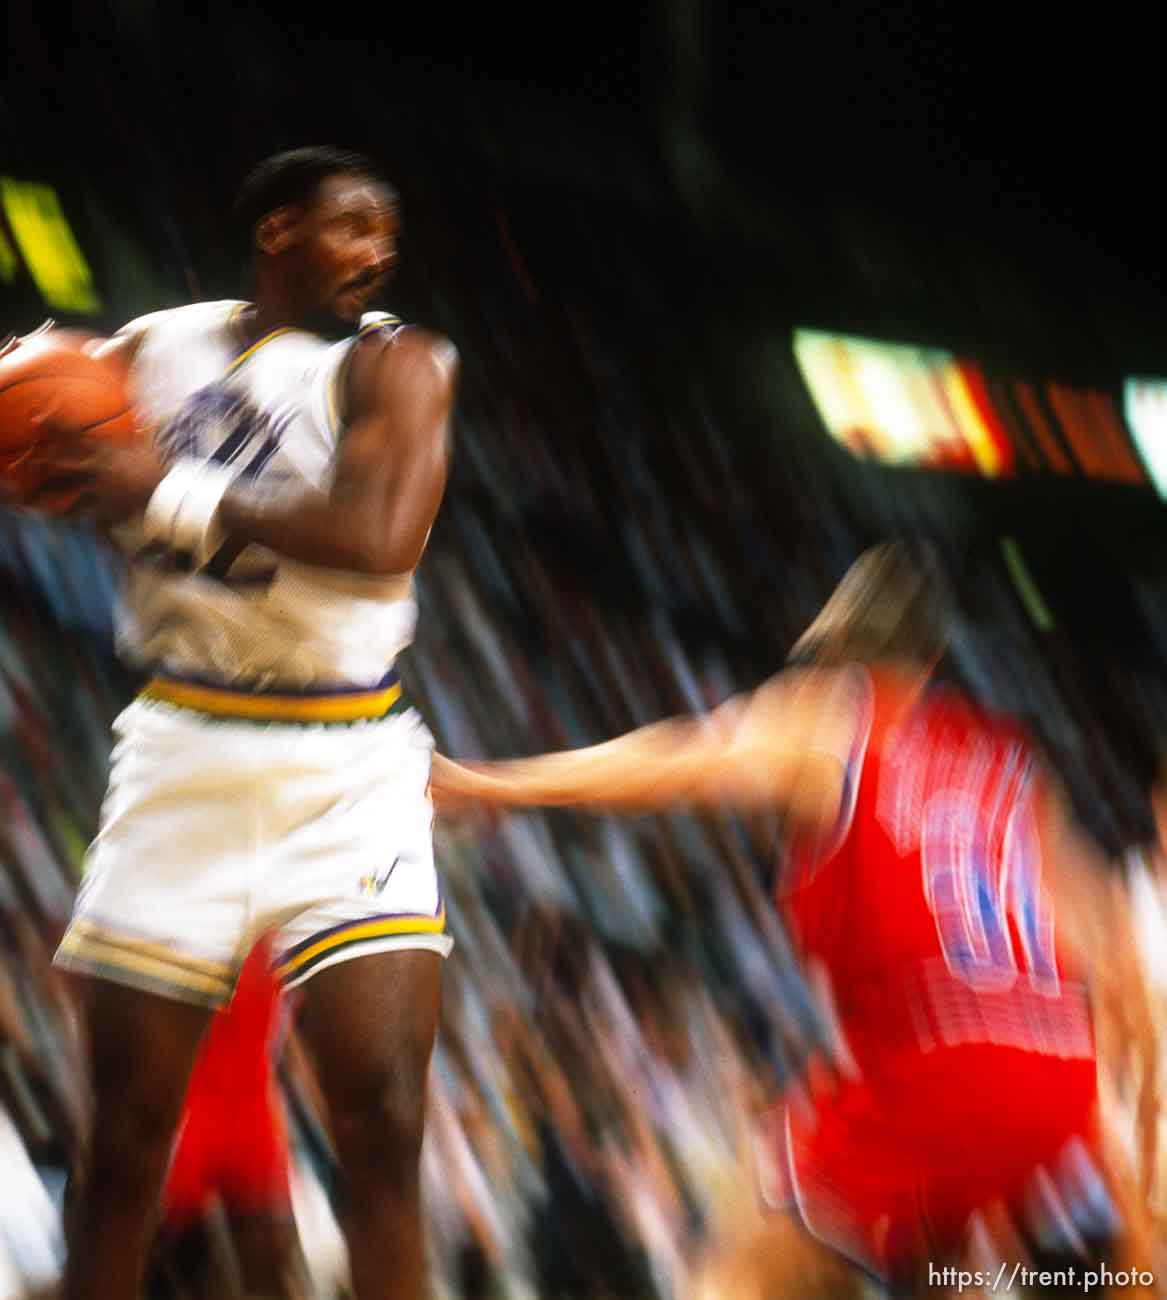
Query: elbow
point(367, 547)
point(378, 558)
point(369, 560)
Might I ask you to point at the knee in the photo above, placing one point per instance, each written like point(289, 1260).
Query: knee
point(131, 1139)
point(378, 1122)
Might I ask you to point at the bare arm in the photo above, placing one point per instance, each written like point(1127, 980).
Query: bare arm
point(1096, 929)
point(785, 744)
point(390, 473)
point(1079, 883)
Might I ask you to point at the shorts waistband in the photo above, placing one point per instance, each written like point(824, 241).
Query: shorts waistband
point(241, 703)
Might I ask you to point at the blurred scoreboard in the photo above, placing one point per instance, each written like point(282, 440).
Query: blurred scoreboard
point(927, 408)
point(1145, 407)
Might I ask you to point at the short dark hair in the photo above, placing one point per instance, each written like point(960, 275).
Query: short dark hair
point(894, 603)
point(294, 177)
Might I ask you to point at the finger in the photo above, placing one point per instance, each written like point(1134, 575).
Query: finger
point(63, 436)
point(78, 464)
point(44, 416)
point(50, 492)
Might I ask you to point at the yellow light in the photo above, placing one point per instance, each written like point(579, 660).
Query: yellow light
point(885, 399)
point(972, 426)
point(50, 251)
point(7, 259)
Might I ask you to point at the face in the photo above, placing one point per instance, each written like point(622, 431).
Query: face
point(341, 250)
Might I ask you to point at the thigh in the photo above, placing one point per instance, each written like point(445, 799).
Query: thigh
point(775, 1258)
point(142, 1048)
point(369, 1026)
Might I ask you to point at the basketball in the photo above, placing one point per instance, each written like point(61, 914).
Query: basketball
point(51, 383)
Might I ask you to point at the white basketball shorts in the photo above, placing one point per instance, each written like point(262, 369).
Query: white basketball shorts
point(216, 828)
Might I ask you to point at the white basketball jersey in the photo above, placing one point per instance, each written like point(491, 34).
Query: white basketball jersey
point(270, 412)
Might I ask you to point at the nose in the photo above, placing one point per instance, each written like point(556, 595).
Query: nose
point(380, 253)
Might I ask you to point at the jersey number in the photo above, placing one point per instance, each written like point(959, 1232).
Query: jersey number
point(977, 878)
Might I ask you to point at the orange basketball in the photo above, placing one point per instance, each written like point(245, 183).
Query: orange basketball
point(52, 383)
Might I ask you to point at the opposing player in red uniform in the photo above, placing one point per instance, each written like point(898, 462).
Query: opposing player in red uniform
point(232, 1141)
point(942, 902)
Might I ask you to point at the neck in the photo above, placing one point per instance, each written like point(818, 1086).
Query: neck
point(909, 681)
point(260, 318)
point(271, 308)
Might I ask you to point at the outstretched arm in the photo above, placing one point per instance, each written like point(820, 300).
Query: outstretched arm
point(786, 744)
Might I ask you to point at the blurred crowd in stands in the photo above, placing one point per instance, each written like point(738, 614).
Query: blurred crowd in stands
point(621, 999)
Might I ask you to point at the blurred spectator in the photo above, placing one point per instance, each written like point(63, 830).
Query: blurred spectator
point(621, 994)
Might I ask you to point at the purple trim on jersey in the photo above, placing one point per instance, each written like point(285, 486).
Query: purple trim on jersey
point(391, 678)
point(864, 698)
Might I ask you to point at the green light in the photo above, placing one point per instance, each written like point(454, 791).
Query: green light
point(1031, 598)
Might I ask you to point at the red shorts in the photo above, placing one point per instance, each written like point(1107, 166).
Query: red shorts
point(231, 1148)
point(890, 1169)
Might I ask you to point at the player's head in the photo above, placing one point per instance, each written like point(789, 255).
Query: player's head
point(320, 228)
point(892, 606)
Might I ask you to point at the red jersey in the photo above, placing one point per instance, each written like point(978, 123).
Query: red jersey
point(927, 908)
point(971, 1037)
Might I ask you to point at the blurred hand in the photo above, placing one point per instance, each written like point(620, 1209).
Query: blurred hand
point(462, 792)
point(11, 341)
point(116, 480)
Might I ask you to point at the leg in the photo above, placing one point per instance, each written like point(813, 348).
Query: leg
point(141, 1048)
point(369, 1025)
point(268, 1253)
point(774, 1258)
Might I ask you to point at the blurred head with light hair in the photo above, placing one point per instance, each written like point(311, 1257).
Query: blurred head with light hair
point(893, 605)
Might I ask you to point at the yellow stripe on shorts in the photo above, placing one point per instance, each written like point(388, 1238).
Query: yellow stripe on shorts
point(102, 952)
point(346, 707)
point(359, 932)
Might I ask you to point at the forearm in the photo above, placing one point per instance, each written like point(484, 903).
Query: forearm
point(384, 488)
point(648, 769)
point(757, 751)
point(308, 528)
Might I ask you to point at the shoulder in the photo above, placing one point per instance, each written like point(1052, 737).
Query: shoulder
point(805, 711)
point(173, 323)
point(193, 315)
point(392, 343)
point(392, 358)
point(818, 691)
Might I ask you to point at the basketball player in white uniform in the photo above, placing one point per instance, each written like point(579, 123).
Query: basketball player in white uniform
point(271, 773)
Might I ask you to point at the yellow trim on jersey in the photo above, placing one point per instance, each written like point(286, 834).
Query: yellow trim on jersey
point(259, 343)
point(94, 946)
point(340, 374)
point(360, 932)
point(233, 321)
point(333, 399)
point(349, 707)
